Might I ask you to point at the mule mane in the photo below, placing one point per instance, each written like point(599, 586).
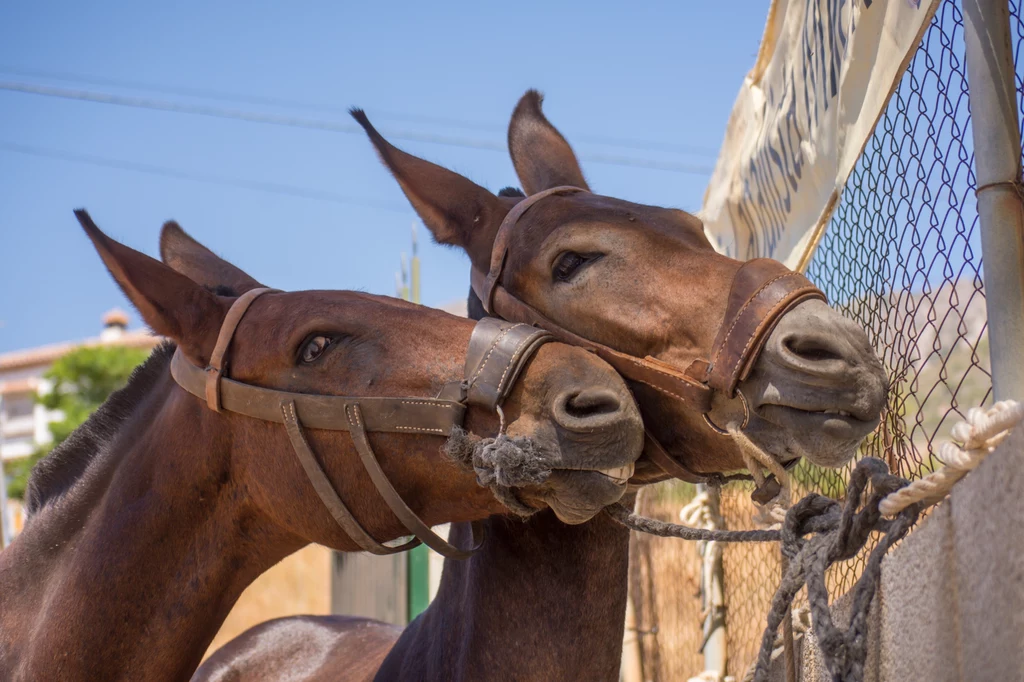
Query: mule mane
point(511, 192)
point(56, 473)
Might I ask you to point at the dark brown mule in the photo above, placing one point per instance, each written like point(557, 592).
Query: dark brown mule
point(546, 601)
point(148, 523)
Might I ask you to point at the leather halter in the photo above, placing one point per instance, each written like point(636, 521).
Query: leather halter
point(497, 353)
point(763, 290)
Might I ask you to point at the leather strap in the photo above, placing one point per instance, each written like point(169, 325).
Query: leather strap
point(394, 415)
point(497, 353)
point(227, 331)
point(341, 514)
point(650, 371)
point(763, 290)
point(391, 496)
point(657, 454)
point(499, 251)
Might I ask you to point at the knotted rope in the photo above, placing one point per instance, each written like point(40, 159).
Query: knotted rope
point(501, 464)
point(810, 557)
point(818, 531)
point(982, 431)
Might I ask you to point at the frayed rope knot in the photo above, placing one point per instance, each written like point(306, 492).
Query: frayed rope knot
point(500, 464)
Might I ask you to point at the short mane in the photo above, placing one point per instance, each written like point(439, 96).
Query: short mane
point(54, 475)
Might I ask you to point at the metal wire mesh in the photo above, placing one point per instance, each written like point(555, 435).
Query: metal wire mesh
point(901, 256)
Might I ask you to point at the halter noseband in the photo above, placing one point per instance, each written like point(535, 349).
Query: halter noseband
point(763, 290)
point(496, 355)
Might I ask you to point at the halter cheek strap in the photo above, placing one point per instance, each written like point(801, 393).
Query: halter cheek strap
point(497, 353)
point(763, 290)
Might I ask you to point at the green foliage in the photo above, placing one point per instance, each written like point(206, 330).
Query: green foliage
point(82, 380)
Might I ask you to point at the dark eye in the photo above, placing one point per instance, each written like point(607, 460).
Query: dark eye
point(314, 348)
point(569, 263)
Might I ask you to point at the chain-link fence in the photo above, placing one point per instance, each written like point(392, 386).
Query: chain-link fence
point(901, 256)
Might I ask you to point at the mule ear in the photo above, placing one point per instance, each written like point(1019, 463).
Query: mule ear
point(541, 156)
point(185, 255)
point(171, 304)
point(456, 210)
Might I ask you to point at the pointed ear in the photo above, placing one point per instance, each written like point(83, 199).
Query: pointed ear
point(541, 156)
point(185, 255)
point(171, 304)
point(456, 210)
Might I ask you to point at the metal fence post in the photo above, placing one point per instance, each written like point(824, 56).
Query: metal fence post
point(997, 162)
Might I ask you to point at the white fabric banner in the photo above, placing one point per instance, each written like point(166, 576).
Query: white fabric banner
point(823, 77)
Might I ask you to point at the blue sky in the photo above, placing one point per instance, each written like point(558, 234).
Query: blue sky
point(662, 72)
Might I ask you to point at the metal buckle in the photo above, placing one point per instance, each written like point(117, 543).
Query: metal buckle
point(746, 416)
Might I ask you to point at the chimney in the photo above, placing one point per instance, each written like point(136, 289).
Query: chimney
point(114, 324)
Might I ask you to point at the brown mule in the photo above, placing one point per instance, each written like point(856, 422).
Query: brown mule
point(147, 524)
point(546, 601)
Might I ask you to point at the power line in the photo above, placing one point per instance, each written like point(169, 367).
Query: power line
point(163, 171)
point(262, 100)
point(319, 124)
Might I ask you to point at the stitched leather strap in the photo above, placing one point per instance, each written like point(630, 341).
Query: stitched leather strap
point(499, 251)
point(227, 331)
point(391, 496)
point(499, 350)
point(395, 415)
point(763, 290)
point(497, 353)
point(650, 371)
point(341, 514)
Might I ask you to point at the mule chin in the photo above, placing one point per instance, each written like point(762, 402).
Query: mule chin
point(825, 439)
point(578, 496)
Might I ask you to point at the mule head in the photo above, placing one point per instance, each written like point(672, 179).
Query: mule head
point(645, 280)
point(573, 410)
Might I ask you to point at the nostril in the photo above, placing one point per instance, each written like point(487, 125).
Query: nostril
point(811, 348)
point(591, 403)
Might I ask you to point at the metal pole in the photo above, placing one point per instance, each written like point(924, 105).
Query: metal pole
point(997, 152)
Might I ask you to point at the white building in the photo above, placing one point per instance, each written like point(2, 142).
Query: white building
point(24, 422)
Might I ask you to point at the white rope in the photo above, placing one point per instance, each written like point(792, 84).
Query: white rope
point(712, 676)
point(982, 431)
point(773, 512)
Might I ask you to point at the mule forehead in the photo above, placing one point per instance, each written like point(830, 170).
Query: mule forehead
point(556, 211)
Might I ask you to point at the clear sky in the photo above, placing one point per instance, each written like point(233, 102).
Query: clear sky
point(660, 76)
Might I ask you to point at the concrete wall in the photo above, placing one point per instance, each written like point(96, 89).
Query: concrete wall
point(951, 599)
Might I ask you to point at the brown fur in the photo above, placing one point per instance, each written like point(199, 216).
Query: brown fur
point(132, 560)
point(545, 601)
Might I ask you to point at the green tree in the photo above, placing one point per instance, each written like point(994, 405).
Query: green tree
point(82, 380)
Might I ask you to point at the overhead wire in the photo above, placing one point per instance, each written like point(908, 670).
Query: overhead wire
point(264, 100)
point(320, 124)
point(152, 169)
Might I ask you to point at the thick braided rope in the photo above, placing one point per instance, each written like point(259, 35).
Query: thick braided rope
point(982, 431)
point(810, 557)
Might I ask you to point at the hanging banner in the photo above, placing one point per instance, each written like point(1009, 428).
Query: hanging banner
point(823, 77)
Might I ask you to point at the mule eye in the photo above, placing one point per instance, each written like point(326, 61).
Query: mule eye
point(314, 348)
point(569, 263)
